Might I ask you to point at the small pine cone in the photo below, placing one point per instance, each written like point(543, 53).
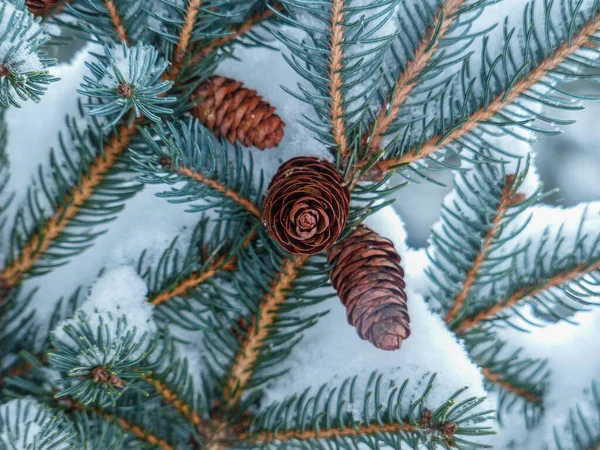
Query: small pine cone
point(368, 278)
point(306, 206)
point(41, 7)
point(237, 113)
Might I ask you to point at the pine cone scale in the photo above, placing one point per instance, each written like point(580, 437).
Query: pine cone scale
point(369, 280)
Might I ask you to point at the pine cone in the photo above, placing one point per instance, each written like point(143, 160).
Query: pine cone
point(306, 206)
point(41, 7)
point(370, 282)
point(237, 113)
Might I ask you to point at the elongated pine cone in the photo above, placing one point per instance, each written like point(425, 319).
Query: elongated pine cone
point(306, 206)
point(237, 113)
point(41, 7)
point(370, 282)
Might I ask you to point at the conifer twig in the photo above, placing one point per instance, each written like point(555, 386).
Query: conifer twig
point(582, 39)
point(56, 224)
point(527, 291)
point(242, 368)
point(507, 199)
point(173, 399)
point(116, 20)
point(335, 76)
point(326, 433)
point(235, 34)
point(509, 387)
point(409, 77)
point(219, 187)
point(185, 37)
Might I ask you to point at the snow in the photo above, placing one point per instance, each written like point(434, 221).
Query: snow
point(25, 424)
point(119, 293)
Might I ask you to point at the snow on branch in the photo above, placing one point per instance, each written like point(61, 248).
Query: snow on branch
point(125, 79)
point(24, 73)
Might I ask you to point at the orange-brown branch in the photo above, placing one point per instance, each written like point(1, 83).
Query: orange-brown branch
point(335, 76)
point(258, 331)
point(132, 428)
point(247, 204)
point(194, 280)
point(304, 435)
point(56, 224)
point(408, 79)
point(527, 291)
point(235, 33)
point(507, 386)
point(580, 40)
point(185, 37)
point(116, 20)
point(172, 398)
point(506, 200)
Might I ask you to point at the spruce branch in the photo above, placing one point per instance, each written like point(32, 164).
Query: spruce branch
point(509, 197)
point(185, 37)
point(584, 38)
point(532, 290)
point(116, 21)
point(510, 387)
point(171, 397)
point(242, 367)
point(336, 56)
point(407, 81)
point(42, 240)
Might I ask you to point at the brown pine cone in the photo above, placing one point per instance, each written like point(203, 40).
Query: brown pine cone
point(368, 278)
point(306, 206)
point(41, 7)
point(237, 113)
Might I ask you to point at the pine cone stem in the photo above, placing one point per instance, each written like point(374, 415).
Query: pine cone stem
point(237, 113)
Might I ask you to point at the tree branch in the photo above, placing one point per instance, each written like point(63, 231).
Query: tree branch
point(509, 387)
point(409, 77)
point(507, 199)
point(219, 187)
point(185, 37)
point(173, 399)
point(326, 433)
point(235, 33)
point(117, 23)
point(335, 76)
point(56, 224)
point(527, 291)
point(258, 331)
point(580, 40)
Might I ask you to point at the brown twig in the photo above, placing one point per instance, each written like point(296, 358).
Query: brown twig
point(242, 366)
point(236, 197)
point(527, 291)
point(507, 199)
point(303, 435)
point(409, 77)
point(580, 40)
point(335, 76)
point(56, 224)
point(507, 386)
point(173, 399)
point(116, 20)
point(235, 33)
point(185, 37)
